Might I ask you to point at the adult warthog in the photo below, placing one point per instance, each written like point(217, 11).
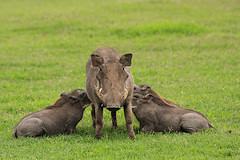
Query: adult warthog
point(157, 114)
point(61, 117)
point(109, 84)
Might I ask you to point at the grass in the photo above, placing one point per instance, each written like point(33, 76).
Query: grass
point(187, 51)
point(161, 28)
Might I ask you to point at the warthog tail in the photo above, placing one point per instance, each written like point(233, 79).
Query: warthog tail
point(211, 126)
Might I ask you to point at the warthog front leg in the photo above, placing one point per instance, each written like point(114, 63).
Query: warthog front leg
point(99, 121)
point(114, 119)
point(128, 118)
point(93, 116)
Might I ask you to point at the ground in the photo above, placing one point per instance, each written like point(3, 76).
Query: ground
point(187, 51)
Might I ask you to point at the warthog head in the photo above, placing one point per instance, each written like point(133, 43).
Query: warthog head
point(112, 80)
point(77, 97)
point(141, 94)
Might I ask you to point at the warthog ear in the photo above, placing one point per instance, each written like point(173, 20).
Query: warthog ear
point(145, 87)
point(96, 60)
point(72, 99)
point(83, 95)
point(126, 59)
point(63, 94)
point(148, 97)
point(135, 86)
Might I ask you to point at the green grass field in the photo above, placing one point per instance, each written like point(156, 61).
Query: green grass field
point(187, 51)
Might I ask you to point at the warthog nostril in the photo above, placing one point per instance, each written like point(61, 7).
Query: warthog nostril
point(113, 107)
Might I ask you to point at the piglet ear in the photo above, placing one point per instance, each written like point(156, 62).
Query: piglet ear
point(72, 99)
point(126, 59)
point(63, 94)
point(145, 87)
point(83, 95)
point(96, 60)
point(135, 86)
point(148, 97)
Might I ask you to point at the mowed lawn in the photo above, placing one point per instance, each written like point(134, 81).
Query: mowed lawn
point(187, 51)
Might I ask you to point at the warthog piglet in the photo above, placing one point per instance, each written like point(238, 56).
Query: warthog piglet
point(61, 117)
point(157, 114)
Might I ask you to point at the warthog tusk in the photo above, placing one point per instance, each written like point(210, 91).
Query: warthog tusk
point(99, 92)
point(126, 94)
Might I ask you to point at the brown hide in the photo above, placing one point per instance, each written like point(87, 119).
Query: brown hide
point(109, 84)
point(157, 114)
point(61, 117)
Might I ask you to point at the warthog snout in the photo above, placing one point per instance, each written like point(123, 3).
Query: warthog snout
point(113, 107)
